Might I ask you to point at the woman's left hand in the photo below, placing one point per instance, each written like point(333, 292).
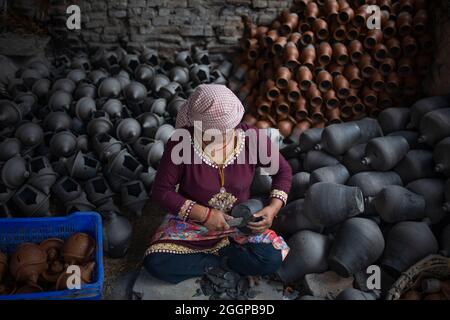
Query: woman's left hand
point(267, 214)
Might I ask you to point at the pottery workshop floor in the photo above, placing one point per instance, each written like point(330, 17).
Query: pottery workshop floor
point(143, 228)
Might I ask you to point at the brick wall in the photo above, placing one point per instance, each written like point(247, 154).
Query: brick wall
point(167, 25)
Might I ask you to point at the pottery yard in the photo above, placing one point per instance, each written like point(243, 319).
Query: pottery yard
point(251, 150)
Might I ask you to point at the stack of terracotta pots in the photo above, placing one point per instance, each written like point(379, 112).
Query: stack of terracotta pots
point(320, 64)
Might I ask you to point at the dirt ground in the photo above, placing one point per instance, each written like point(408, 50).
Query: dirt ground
point(143, 229)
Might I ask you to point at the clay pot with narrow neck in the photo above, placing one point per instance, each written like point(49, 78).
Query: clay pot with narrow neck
point(282, 77)
point(433, 192)
point(334, 116)
point(417, 164)
point(314, 96)
point(308, 254)
point(271, 90)
point(340, 54)
point(396, 203)
point(353, 75)
point(384, 153)
point(425, 105)
point(442, 157)
point(404, 24)
point(324, 81)
point(338, 138)
point(316, 159)
point(320, 28)
point(116, 235)
point(339, 32)
point(27, 262)
point(330, 99)
point(311, 12)
point(434, 126)
point(371, 183)
point(308, 56)
point(304, 78)
point(291, 55)
point(366, 66)
point(394, 119)
point(324, 54)
point(128, 130)
point(420, 21)
point(332, 174)
point(300, 183)
point(293, 91)
point(399, 255)
point(370, 129)
point(411, 137)
point(289, 24)
point(343, 202)
point(309, 138)
point(355, 50)
point(352, 159)
point(78, 248)
point(263, 106)
point(341, 86)
point(358, 244)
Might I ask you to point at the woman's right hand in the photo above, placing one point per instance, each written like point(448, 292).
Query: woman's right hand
point(217, 221)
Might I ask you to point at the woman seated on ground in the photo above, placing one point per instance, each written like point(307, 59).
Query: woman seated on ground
point(199, 194)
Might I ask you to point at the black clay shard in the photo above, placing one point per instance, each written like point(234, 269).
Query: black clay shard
point(99, 123)
point(98, 191)
point(421, 107)
point(407, 243)
point(60, 100)
point(338, 138)
point(42, 175)
point(117, 231)
point(84, 108)
point(317, 159)
point(14, 172)
point(57, 121)
point(164, 133)
point(134, 197)
point(80, 204)
point(394, 119)
point(128, 130)
point(358, 244)
point(125, 165)
point(32, 202)
point(384, 153)
point(109, 88)
point(113, 107)
point(9, 147)
point(246, 210)
point(66, 189)
point(81, 166)
point(435, 126)
point(105, 145)
point(308, 254)
point(63, 144)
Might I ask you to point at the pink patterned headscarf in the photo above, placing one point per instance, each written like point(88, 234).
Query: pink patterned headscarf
point(216, 106)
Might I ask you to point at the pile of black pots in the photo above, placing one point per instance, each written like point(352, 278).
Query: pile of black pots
point(89, 132)
point(368, 192)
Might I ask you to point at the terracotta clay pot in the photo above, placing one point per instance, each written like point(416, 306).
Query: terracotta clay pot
point(404, 24)
point(282, 77)
point(308, 56)
point(314, 96)
point(320, 28)
point(293, 91)
point(52, 247)
point(289, 24)
point(366, 66)
point(78, 248)
point(420, 21)
point(339, 32)
point(324, 54)
point(291, 55)
point(311, 12)
point(263, 106)
point(341, 86)
point(409, 46)
point(355, 50)
point(304, 78)
point(324, 81)
point(27, 262)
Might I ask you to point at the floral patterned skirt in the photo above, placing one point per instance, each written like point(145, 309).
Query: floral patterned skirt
point(185, 237)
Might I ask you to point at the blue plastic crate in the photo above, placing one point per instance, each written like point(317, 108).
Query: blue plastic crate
point(16, 231)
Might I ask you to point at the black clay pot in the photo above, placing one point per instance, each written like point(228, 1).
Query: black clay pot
point(41, 88)
point(84, 108)
point(84, 90)
point(175, 105)
point(300, 183)
point(317, 159)
point(113, 107)
point(128, 130)
point(117, 231)
point(370, 128)
point(384, 153)
point(142, 147)
point(355, 294)
point(159, 106)
point(184, 59)
point(60, 101)
point(407, 243)
point(179, 74)
point(395, 204)
point(338, 138)
point(327, 204)
point(77, 75)
point(148, 177)
point(65, 85)
point(433, 192)
point(158, 82)
point(124, 165)
point(199, 73)
point(417, 164)
point(446, 205)
point(309, 139)
point(155, 154)
point(96, 76)
point(225, 68)
point(106, 146)
point(81, 166)
point(14, 172)
point(435, 126)
point(352, 159)
point(149, 56)
point(57, 121)
point(9, 147)
point(371, 183)
point(30, 76)
point(335, 174)
point(246, 210)
point(144, 74)
point(135, 92)
point(42, 175)
point(442, 157)
point(411, 137)
point(66, 189)
point(5, 193)
point(394, 119)
point(10, 113)
point(79, 204)
point(308, 254)
point(292, 219)
point(134, 197)
point(30, 134)
point(32, 202)
point(164, 133)
point(99, 123)
point(130, 62)
point(261, 184)
point(201, 56)
point(83, 143)
point(81, 62)
point(114, 180)
point(109, 88)
point(170, 90)
point(63, 144)
point(358, 244)
point(421, 107)
point(445, 241)
point(98, 191)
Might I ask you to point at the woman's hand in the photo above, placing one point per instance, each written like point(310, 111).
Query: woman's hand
point(217, 221)
point(267, 214)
